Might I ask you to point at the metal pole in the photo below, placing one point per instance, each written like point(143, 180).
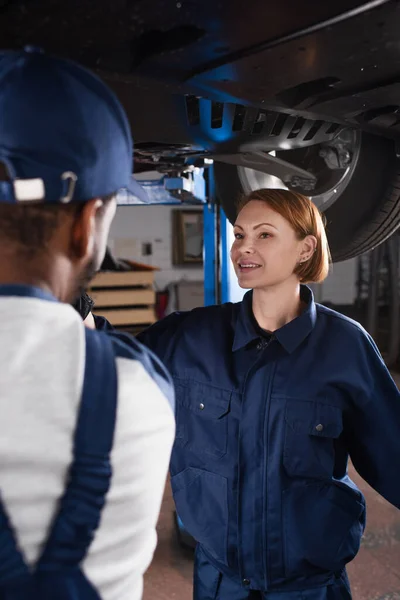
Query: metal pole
point(210, 249)
point(224, 254)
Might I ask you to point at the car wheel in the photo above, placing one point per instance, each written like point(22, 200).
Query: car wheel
point(362, 206)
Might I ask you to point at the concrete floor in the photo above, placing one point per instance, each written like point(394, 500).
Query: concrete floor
point(374, 574)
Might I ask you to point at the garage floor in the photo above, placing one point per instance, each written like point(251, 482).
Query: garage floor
point(374, 574)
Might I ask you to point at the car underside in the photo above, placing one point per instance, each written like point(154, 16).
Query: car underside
point(294, 93)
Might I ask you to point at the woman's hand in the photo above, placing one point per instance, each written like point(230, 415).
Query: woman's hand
point(89, 322)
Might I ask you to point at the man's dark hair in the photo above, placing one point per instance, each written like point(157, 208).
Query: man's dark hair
point(30, 227)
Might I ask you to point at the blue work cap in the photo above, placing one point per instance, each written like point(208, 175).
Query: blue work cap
point(64, 136)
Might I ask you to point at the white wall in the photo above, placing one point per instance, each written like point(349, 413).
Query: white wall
point(134, 226)
point(340, 286)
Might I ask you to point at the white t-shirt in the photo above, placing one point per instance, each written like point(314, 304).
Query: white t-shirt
point(42, 361)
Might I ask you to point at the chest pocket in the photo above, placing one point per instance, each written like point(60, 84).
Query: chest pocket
point(202, 417)
point(310, 431)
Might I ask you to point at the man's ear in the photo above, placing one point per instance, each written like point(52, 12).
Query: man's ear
point(83, 229)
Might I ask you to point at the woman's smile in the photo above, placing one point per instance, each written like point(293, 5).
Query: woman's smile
point(246, 266)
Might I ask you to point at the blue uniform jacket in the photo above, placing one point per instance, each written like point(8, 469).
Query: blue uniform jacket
point(264, 433)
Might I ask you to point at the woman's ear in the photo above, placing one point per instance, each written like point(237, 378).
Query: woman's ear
point(83, 231)
point(309, 246)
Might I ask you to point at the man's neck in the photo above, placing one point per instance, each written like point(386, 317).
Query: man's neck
point(274, 307)
point(49, 276)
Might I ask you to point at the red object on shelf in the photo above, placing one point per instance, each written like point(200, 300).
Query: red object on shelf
point(161, 303)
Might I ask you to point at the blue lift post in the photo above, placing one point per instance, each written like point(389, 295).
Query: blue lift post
point(210, 254)
point(224, 257)
point(172, 190)
point(216, 253)
point(210, 242)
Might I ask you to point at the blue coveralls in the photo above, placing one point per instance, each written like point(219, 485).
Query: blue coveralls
point(264, 432)
point(58, 575)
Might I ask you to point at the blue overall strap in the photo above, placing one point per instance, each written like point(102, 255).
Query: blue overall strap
point(58, 574)
point(90, 477)
point(14, 573)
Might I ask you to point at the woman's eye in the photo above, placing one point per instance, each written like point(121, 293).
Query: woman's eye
point(238, 236)
point(264, 235)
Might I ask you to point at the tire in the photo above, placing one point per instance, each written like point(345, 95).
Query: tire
point(363, 216)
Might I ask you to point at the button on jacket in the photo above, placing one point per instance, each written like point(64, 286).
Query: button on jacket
point(265, 428)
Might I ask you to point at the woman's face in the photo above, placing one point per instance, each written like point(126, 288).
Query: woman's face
point(266, 250)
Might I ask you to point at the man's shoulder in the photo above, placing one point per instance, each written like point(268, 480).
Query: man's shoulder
point(128, 348)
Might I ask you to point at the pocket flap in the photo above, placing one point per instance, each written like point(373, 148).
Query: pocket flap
point(314, 418)
point(184, 478)
point(203, 399)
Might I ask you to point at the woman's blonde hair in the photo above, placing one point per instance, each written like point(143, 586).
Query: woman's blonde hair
point(305, 219)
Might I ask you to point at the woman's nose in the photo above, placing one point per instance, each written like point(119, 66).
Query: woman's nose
point(246, 247)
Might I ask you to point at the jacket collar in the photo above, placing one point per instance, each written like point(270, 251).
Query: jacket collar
point(290, 336)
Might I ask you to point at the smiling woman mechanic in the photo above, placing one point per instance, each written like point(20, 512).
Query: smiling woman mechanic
point(273, 394)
